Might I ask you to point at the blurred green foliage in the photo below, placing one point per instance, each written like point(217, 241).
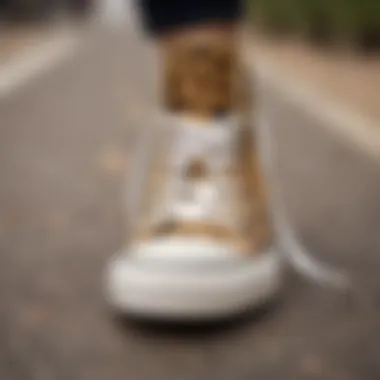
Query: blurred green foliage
point(355, 22)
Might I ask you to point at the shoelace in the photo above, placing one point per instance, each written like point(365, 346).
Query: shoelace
point(194, 199)
point(302, 260)
point(140, 161)
point(299, 257)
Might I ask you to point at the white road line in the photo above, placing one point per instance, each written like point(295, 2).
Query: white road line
point(348, 125)
point(36, 60)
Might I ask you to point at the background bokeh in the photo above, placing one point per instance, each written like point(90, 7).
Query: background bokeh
point(355, 22)
point(78, 83)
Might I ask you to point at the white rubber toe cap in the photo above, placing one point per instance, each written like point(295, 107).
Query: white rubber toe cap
point(185, 279)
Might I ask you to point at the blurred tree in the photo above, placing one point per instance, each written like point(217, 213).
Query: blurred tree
point(356, 22)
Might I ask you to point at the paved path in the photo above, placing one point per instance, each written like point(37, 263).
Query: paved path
point(63, 143)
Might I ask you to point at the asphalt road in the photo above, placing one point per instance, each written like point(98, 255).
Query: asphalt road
point(64, 140)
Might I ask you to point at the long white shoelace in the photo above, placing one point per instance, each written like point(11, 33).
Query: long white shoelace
point(189, 199)
point(297, 254)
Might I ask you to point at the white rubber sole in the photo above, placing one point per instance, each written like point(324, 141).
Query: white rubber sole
point(193, 290)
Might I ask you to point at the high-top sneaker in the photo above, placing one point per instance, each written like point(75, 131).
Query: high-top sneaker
point(202, 246)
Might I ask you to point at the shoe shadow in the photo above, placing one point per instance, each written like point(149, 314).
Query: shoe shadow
point(195, 329)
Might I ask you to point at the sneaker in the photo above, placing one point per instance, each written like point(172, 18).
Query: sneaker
point(201, 249)
point(203, 245)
